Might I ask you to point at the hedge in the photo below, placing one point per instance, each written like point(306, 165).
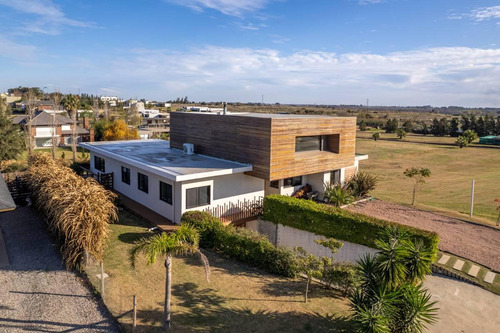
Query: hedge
point(242, 244)
point(336, 223)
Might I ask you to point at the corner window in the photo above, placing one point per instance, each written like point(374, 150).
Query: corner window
point(142, 182)
point(125, 175)
point(99, 164)
point(166, 192)
point(196, 197)
point(307, 143)
point(274, 184)
point(293, 181)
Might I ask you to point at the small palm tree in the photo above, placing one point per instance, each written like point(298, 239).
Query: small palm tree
point(338, 195)
point(183, 241)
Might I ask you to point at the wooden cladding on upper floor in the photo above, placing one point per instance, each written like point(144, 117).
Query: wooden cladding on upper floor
point(268, 142)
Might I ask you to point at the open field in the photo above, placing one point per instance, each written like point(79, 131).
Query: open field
point(237, 299)
point(448, 189)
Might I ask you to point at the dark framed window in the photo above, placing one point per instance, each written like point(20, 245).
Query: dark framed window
point(293, 181)
point(125, 175)
point(166, 192)
point(99, 164)
point(142, 182)
point(307, 143)
point(196, 197)
point(274, 184)
point(335, 177)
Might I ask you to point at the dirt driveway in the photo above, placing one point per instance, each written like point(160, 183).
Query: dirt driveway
point(36, 293)
point(477, 243)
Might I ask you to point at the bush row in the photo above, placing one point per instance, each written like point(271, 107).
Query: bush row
point(242, 244)
point(335, 222)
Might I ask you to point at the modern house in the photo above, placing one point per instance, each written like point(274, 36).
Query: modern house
point(44, 124)
point(216, 161)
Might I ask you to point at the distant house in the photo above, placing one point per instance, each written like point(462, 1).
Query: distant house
point(490, 140)
point(227, 162)
point(45, 105)
point(45, 123)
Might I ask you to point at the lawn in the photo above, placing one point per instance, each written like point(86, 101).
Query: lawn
point(448, 189)
point(21, 163)
point(237, 299)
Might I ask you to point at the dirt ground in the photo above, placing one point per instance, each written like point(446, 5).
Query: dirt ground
point(475, 242)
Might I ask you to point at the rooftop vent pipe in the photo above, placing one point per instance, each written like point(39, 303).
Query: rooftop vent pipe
point(224, 108)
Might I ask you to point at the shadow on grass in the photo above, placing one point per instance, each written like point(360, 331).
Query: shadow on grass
point(132, 237)
point(207, 313)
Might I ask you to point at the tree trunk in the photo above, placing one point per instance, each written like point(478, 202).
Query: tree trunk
point(307, 290)
point(168, 293)
point(74, 139)
point(414, 194)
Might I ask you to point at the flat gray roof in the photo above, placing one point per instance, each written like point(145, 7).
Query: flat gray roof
point(157, 157)
point(266, 115)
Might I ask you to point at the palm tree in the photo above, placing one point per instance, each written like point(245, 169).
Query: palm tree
point(71, 103)
point(183, 241)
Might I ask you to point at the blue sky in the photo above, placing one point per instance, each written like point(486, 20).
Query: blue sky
point(392, 52)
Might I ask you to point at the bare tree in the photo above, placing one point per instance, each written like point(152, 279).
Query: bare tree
point(106, 110)
point(30, 114)
point(56, 97)
point(95, 109)
point(72, 102)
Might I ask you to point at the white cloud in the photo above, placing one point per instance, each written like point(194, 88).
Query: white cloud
point(228, 7)
point(440, 76)
point(50, 18)
point(369, 2)
point(479, 14)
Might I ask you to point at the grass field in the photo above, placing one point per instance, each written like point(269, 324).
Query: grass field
point(448, 189)
point(237, 299)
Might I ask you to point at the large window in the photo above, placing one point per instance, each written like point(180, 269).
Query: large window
point(335, 177)
point(307, 143)
point(196, 197)
point(329, 143)
point(142, 182)
point(125, 175)
point(293, 181)
point(166, 192)
point(99, 164)
point(274, 184)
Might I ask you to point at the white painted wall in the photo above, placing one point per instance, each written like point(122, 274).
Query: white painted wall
point(291, 237)
point(223, 189)
point(66, 127)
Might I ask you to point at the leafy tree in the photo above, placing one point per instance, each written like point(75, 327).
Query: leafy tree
point(465, 122)
point(12, 141)
point(489, 123)
point(470, 135)
point(408, 126)
point(401, 133)
point(462, 141)
point(376, 136)
point(454, 127)
point(425, 129)
point(497, 127)
point(118, 130)
point(473, 123)
point(183, 241)
point(481, 127)
point(391, 126)
point(311, 266)
point(362, 125)
point(418, 176)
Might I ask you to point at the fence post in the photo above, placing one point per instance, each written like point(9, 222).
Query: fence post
point(134, 319)
point(102, 279)
point(472, 199)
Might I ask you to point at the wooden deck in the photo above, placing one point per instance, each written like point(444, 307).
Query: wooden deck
point(147, 214)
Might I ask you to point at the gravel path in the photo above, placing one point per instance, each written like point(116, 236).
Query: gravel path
point(36, 293)
point(477, 243)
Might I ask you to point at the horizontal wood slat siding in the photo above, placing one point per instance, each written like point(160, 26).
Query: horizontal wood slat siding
point(285, 162)
point(235, 138)
point(267, 143)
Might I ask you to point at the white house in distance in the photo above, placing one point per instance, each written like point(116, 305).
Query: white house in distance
point(218, 160)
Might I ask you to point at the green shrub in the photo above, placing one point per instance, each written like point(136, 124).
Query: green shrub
point(338, 195)
point(342, 275)
point(335, 222)
point(242, 244)
point(362, 183)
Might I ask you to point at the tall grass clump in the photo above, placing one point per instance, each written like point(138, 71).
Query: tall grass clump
point(77, 210)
